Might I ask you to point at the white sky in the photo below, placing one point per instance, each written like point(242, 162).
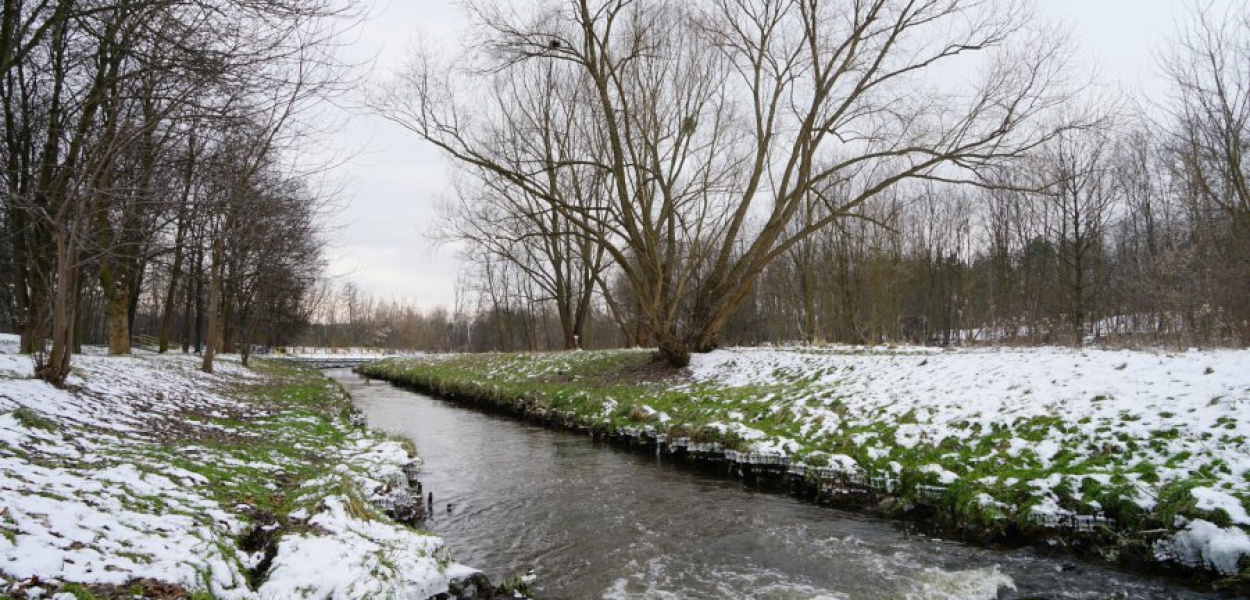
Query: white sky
point(392, 180)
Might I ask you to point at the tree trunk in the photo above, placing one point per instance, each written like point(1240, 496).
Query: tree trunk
point(227, 326)
point(28, 308)
point(32, 323)
point(212, 320)
point(673, 351)
point(117, 311)
point(167, 315)
point(199, 302)
point(808, 291)
point(135, 294)
point(56, 367)
point(188, 313)
point(245, 348)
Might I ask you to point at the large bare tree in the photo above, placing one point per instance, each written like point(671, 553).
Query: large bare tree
point(717, 123)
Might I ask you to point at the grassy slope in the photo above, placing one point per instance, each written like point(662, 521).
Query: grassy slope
point(270, 456)
point(1002, 484)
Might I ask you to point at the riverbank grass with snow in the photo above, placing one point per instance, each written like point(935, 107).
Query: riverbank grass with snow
point(1140, 456)
point(147, 478)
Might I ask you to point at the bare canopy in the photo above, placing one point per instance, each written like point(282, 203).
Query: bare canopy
point(716, 125)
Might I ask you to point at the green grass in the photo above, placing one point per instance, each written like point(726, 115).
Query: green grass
point(1099, 466)
point(31, 419)
point(292, 428)
point(264, 461)
point(77, 591)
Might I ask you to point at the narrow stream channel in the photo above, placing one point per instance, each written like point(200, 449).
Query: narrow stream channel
point(596, 522)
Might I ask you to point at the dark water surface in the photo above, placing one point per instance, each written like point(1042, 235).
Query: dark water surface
point(596, 522)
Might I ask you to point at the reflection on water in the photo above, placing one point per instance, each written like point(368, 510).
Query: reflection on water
point(594, 522)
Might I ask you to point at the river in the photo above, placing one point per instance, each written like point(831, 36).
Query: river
point(597, 522)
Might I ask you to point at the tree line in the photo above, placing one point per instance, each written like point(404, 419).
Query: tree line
point(692, 174)
point(149, 172)
point(631, 172)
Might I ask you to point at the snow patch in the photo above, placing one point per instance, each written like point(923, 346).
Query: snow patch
point(354, 558)
point(1212, 499)
point(944, 477)
point(1205, 544)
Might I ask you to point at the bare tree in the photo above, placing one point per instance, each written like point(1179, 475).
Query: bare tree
point(95, 93)
point(1079, 205)
point(1210, 72)
point(715, 125)
point(1210, 146)
point(500, 220)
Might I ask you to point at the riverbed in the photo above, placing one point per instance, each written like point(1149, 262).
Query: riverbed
point(594, 521)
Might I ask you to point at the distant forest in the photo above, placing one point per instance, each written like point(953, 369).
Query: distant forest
point(681, 177)
point(655, 174)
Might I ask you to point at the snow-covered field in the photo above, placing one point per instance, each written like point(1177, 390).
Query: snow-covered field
point(1164, 418)
point(141, 469)
point(1053, 439)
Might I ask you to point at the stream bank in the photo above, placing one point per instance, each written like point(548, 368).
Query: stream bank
point(147, 478)
point(596, 520)
point(565, 391)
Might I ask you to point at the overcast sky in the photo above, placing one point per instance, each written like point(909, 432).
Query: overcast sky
point(392, 181)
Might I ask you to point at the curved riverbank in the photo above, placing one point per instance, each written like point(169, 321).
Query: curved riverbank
point(147, 478)
point(593, 520)
point(614, 396)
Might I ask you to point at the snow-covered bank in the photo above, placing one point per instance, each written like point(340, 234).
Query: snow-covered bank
point(1153, 422)
point(1147, 452)
point(146, 470)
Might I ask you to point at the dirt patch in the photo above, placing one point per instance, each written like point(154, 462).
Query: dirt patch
point(136, 588)
point(651, 372)
point(263, 537)
point(654, 371)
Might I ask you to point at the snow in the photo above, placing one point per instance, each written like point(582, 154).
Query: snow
point(985, 500)
point(1059, 437)
point(337, 562)
point(1161, 400)
point(1204, 544)
point(843, 463)
point(87, 497)
point(1046, 450)
point(1212, 499)
point(943, 476)
point(1002, 382)
point(1058, 411)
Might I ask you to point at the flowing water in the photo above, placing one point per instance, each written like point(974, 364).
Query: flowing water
point(596, 522)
